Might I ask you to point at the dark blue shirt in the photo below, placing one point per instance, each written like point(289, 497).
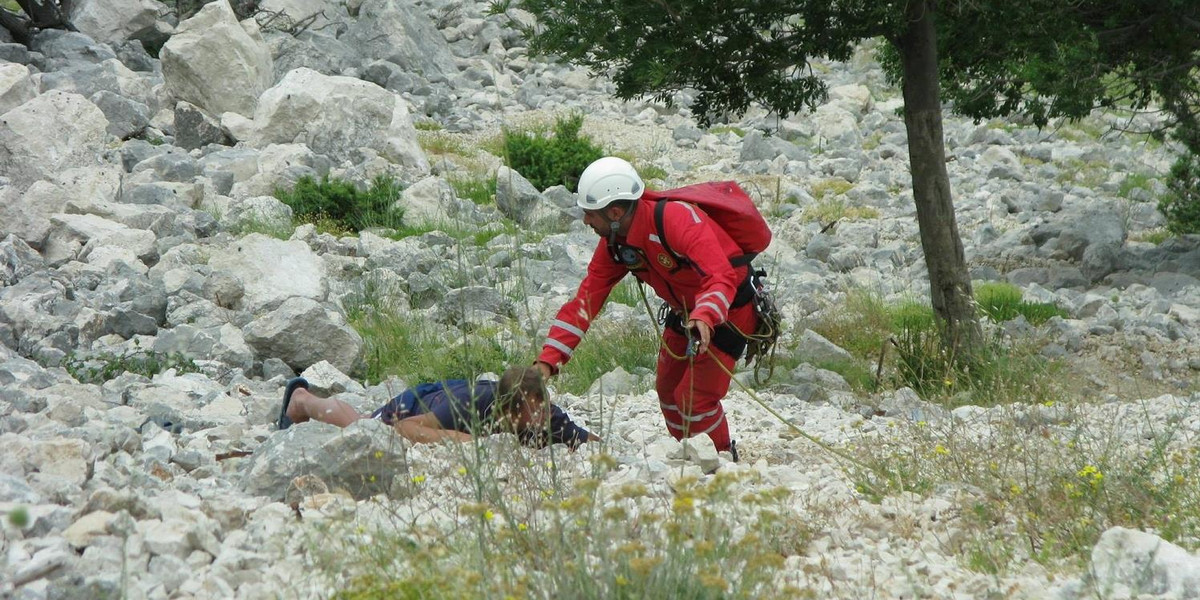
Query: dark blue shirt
point(466, 407)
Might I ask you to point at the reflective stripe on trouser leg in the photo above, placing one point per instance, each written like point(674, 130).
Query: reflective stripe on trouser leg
point(690, 392)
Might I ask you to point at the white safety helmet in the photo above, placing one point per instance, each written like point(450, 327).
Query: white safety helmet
point(607, 180)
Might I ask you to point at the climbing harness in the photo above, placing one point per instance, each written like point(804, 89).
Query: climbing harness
point(760, 345)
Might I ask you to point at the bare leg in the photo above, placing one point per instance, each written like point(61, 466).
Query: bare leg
point(306, 405)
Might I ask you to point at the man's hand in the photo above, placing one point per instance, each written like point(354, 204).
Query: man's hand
point(545, 369)
point(704, 331)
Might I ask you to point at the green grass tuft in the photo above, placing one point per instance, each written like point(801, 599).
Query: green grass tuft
point(1002, 302)
point(480, 190)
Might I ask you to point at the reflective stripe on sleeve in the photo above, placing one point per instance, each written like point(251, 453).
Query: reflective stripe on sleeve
point(720, 312)
point(561, 347)
point(720, 296)
point(567, 327)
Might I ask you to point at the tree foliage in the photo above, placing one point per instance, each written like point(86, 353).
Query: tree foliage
point(733, 52)
point(1047, 58)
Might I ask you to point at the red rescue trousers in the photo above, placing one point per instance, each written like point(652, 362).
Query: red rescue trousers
point(690, 389)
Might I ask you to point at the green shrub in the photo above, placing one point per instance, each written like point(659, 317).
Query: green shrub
point(340, 204)
point(398, 343)
point(1134, 181)
point(1181, 205)
point(648, 172)
point(626, 293)
point(722, 129)
point(440, 142)
point(860, 326)
point(609, 345)
point(827, 188)
point(828, 210)
point(549, 160)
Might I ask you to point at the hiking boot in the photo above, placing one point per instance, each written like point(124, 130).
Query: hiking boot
point(733, 450)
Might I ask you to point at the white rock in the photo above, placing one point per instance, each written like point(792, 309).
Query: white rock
point(316, 13)
point(216, 63)
point(48, 134)
point(337, 115)
point(854, 97)
point(16, 86)
point(1127, 562)
point(87, 527)
point(272, 271)
point(65, 458)
point(115, 20)
point(836, 125)
point(166, 537)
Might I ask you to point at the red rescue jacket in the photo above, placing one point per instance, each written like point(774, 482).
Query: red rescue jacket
point(703, 290)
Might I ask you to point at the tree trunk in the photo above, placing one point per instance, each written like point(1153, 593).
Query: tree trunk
point(949, 280)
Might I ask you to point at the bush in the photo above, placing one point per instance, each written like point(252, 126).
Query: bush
point(398, 343)
point(343, 205)
point(549, 160)
point(1181, 205)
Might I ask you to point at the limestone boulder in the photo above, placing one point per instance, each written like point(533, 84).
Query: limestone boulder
point(314, 15)
point(217, 63)
point(401, 33)
point(1128, 563)
point(363, 459)
point(116, 20)
point(48, 134)
point(271, 271)
point(29, 217)
point(336, 116)
point(17, 260)
point(16, 86)
point(302, 332)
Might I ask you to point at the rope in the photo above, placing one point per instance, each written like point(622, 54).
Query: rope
point(753, 396)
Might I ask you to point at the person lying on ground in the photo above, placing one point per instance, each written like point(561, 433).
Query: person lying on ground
point(454, 410)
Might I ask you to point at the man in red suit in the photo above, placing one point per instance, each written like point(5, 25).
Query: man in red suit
point(710, 299)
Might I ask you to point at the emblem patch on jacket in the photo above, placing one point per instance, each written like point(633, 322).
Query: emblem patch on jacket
point(666, 261)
